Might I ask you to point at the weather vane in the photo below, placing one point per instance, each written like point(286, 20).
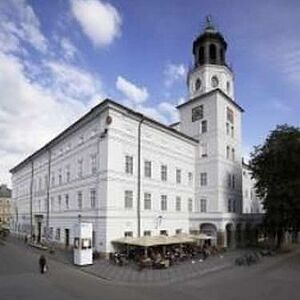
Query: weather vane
point(209, 23)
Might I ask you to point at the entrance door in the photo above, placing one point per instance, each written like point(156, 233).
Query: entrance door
point(39, 228)
point(67, 237)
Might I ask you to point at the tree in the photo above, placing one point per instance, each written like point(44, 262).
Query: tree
point(276, 169)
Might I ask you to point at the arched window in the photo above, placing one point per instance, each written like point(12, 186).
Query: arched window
point(222, 56)
point(212, 53)
point(201, 55)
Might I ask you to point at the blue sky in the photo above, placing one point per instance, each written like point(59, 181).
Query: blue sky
point(60, 58)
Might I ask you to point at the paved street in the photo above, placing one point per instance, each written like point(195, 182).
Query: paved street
point(275, 278)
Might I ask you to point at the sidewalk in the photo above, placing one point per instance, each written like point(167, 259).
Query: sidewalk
point(130, 275)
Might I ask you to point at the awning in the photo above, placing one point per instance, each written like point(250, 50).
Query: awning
point(160, 240)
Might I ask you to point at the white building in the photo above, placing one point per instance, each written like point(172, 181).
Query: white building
point(131, 175)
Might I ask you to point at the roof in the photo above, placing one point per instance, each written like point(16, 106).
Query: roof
point(5, 192)
point(211, 93)
point(86, 118)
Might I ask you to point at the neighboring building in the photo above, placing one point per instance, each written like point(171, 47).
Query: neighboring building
point(132, 176)
point(5, 204)
point(251, 203)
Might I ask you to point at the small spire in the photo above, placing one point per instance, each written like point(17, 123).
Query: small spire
point(209, 24)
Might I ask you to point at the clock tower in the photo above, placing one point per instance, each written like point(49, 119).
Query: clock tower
point(210, 70)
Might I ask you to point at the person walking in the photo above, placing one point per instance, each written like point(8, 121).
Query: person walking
point(43, 264)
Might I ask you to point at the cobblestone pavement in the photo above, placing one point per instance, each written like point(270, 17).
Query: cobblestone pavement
point(131, 275)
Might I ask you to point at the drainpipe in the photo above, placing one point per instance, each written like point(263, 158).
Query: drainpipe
point(48, 195)
point(31, 199)
point(139, 179)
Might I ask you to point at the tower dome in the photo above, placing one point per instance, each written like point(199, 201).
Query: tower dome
point(210, 46)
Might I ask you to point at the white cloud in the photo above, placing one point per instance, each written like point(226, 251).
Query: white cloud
point(173, 73)
point(131, 91)
point(67, 79)
point(24, 26)
point(39, 97)
point(100, 21)
point(68, 48)
point(169, 110)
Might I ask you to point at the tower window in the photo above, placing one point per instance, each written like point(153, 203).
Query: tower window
point(228, 87)
point(197, 113)
point(201, 56)
point(214, 81)
point(203, 126)
point(212, 53)
point(222, 56)
point(198, 84)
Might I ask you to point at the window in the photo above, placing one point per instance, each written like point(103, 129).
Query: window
point(229, 180)
point(197, 205)
point(52, 203)
point(86, 244)
point(203, 179)
point(164, 173)
point(178, 231)
point(51, 233)
point(203, 126)
point(190, 204)
point(57, 234)
point(203, 150)
point(80, 167)
point(128, 199)
point(128, 164)
point(231, 205)
point(232, 154)
point(203, 205)
point(93, 163)
point(227, 152)
point(178, 204)
point(201, 55)
point(230, 117)
point(59, 202)
point(128, 234)
point(198, 84)
point(232, 131)
point(190, 178)
point(147, 201)
point(178, 176)
point(163, 202)
point(46, 181)
point(68, 173)
point(197, 113)
point(227, 128)
point(93, 198)
point(233, 181)
point(164, 232)
point(228, 87)
point(212, 53)
point(53, 179)
point(79, 199)
point(147, 233)
point(147, 169)
point(59, 177)
point(66, 201)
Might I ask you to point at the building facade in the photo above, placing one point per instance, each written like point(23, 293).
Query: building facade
point(5, 204)
point(130, 175)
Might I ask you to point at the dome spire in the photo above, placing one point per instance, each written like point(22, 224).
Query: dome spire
point(209, 26)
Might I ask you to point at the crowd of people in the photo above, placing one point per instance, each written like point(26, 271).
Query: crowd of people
point(163, 256)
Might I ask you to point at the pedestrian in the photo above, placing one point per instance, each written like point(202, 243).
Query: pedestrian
point(43, 264)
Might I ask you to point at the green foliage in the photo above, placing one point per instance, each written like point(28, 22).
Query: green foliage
point(276, 168)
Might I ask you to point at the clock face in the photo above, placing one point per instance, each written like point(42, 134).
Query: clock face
point(214, 81)
point(198, 84)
